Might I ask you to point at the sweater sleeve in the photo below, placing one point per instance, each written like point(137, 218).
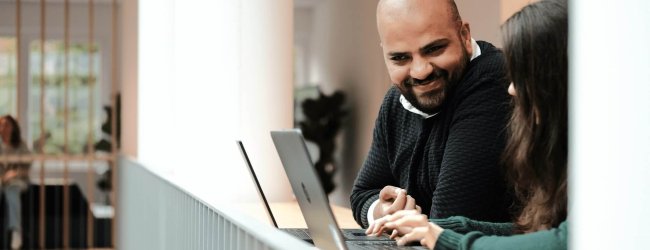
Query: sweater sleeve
point(375, 173)
point(553, 239)
point(470, 182)
point(464, 225)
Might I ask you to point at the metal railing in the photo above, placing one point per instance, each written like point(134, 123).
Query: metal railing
point(157, 214)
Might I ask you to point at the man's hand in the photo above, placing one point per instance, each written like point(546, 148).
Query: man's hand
point(393, 199)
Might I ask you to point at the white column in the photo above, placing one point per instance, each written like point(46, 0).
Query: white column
point(266, 92)
point(211, 72)
point(609, 124)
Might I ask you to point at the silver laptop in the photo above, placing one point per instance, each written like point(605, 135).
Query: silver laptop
point(312, 199)
point(301, 233)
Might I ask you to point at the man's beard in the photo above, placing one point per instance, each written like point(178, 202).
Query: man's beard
point(429, 102)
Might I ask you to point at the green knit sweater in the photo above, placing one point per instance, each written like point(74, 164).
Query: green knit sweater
point(463, 233)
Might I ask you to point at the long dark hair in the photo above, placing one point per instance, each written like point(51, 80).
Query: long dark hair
point(536, 154)
point(14, 140)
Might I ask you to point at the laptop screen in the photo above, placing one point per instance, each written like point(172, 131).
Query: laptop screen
point(244, 155)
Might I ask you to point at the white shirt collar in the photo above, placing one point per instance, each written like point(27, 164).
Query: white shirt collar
point(476, 52)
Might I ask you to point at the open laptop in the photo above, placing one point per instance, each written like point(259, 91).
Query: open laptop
point(301, 233)
point(312, 199)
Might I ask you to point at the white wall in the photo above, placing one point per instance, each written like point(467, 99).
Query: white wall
point(484, 17)
point(211, 72)
point(509, 7)
point(303, 27)
point(609, 124)
point(345, 55)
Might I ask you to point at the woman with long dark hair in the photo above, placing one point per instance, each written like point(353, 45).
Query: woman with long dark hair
point(536, 155)
point(14, 175)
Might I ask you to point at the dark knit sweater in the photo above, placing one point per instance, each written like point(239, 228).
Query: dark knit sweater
point(449, 162)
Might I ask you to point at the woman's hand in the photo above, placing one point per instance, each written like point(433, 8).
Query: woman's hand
point(407, 226)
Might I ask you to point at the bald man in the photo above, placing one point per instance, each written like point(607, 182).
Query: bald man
point(441, 128)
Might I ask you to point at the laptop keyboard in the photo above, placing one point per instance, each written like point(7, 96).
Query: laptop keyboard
point(300, 233)
point(378, 245)
point(360, 234)
point(303, 233)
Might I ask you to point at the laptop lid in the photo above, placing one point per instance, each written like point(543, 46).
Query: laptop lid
point(244, 155)
point(308, 190)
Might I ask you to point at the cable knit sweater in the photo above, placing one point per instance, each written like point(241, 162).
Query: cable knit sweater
point(449, 162)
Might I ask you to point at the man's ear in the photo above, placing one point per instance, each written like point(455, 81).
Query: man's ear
point(466, 37)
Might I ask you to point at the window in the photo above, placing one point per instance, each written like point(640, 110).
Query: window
point(79, 101)
point(8, 69)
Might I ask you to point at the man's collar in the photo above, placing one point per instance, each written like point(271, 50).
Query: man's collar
point(476, 52)
point(408, 106)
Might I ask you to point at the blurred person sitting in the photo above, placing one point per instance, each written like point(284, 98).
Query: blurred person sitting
point(536, 154)
point(14, 175)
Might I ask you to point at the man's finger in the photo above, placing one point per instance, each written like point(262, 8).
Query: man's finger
point(418, 208)
point(410, 203)
point(398, 204)
point(388, 193)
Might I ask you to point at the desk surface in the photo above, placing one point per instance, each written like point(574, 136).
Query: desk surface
point(288, 214)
